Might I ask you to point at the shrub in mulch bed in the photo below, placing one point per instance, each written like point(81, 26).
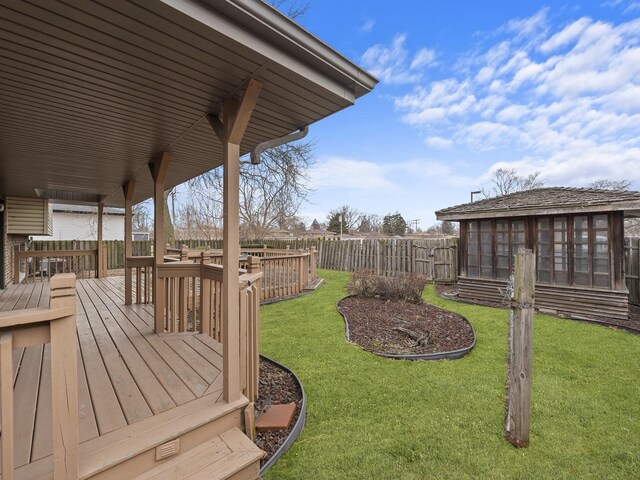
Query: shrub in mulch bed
point(404, 328)
point(387, 316)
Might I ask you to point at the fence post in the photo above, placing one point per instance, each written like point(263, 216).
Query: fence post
point(520, 350)
point(253, 264)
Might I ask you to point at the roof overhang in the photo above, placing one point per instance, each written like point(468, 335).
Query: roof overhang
point(92, 92)
point(630, 209)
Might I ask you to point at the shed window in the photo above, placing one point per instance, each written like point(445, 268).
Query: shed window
point(580, 247)
point(473, 262)
point(491, 245)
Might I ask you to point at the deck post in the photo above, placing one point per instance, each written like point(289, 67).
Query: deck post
point(159, 173)
point(235, 118)
point(64, 380)
point(99, 248)
point(520, 350)
point(128, 237)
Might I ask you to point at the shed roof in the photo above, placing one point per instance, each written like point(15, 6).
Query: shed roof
point(91, 92)
point(546, 201)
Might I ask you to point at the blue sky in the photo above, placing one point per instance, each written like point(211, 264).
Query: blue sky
point(469, 87)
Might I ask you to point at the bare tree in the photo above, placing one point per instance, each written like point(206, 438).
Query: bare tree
point(507, 180)
point(608, 184)
point(291, 8)
point(270, 193)
point(142, 217)
point(350, 218)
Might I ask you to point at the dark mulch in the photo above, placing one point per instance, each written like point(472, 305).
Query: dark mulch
point(276, 386)
point(633, 321)
point(372, 322)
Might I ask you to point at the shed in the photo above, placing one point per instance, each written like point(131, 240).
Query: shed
point(577, 235)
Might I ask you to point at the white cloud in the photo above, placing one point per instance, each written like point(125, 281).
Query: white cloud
point(393, 63)
point(423, 58)
point(439, 142)
point(367, 26)
point(564, 100)
point(567, 35)
point(345, 173)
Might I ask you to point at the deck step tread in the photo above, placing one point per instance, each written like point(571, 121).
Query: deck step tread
point(216, 459)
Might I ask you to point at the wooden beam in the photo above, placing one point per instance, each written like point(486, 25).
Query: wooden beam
point(159, 172)
point(128, 189)
point(235, 118)
point(235, 130)
point(159, 168)
point(101, 260)
point(230, 273)
point(216, 125)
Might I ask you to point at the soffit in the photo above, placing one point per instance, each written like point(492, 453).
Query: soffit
point(91, 92)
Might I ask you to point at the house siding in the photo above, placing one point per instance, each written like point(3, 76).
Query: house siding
point(83, 226)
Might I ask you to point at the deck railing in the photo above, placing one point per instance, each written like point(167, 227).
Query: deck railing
point(142, 268)
point(32, 265)
point(56, 325)
point(189, 299)
point(285, 272)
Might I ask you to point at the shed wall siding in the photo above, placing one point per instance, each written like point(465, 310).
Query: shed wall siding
point(556, 299)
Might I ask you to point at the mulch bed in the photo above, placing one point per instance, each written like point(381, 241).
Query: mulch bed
point(372, 325)
point(276, 386)
point(451, 291)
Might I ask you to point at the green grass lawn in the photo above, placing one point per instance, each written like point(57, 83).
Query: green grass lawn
point(374, 418)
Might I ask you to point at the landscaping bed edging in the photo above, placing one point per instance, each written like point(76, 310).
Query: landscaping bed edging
point(297, 427)
point(451, 355)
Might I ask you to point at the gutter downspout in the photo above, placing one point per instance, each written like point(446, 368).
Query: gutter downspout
point(276, 142)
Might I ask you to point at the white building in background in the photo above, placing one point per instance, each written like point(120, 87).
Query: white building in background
point(80, 222)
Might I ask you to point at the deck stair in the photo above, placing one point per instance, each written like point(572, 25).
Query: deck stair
point(230, 455)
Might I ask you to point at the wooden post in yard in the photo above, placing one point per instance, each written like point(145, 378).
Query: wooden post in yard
point(520, 350)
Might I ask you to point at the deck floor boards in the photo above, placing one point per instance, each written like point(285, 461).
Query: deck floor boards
point(126, 372)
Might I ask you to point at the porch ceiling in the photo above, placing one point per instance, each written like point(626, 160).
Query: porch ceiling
point(91, 92)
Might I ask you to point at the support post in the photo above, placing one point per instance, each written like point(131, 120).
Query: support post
point(64, 380)
point(6, 389)
point(128, 238)
point(159, 173)
point(235, 118)
point(101, 260)
point(520, 350)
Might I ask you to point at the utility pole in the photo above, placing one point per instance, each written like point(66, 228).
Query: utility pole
point(416, 221)
point(340, 218)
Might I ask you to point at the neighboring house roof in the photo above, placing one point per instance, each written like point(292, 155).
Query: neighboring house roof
point(546, 201)
point(86, 209)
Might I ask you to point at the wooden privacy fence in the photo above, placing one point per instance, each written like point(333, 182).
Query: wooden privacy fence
point(435, 258)
point(632, 269)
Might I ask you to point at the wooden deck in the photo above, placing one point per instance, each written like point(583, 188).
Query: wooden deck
point(126, 372)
